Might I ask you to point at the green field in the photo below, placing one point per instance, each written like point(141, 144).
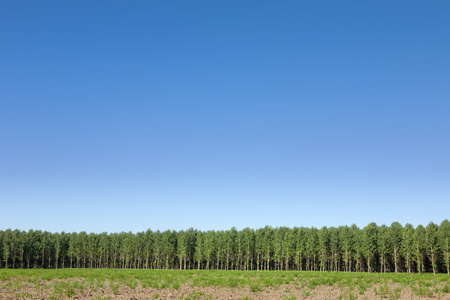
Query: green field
point(112, 283)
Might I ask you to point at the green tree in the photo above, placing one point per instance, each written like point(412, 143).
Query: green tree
point(248, 247)
point(103, 250)
point(192, 241)
point(335, 249)
point(259, 247)
point(268, 243)
point(288, 247)
point(199, 249)
point(300, 247)
point(140, 250)
point(92, 246)
point(395, 238)
point(327, 249)
point(358, 245)
point(408, 246)
point(182, 238)
point(81, 253)
point(419, 240)
point(148, 248)
point(278, 249)
point(57, 244)
point(370, 237)
point(444, 243)
point(115, 245)
point(432, 244)
point(220, 248)
point(6, 246)
point(384, 246)
point(169, 244)
point(324, 242)
point(312, 245)
point(345, 236)
point(209, 247)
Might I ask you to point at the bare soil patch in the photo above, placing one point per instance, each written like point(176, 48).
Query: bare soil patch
point(77, 288)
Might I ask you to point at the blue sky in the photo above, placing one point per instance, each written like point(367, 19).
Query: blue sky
point(128, 115)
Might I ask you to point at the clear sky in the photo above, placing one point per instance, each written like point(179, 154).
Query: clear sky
point(128, 115)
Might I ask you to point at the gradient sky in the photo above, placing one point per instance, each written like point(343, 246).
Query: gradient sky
point(127, 115)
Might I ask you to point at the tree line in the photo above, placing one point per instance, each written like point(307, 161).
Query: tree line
point(374, 248)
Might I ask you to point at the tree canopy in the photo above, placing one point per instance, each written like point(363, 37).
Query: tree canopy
point(374, 248)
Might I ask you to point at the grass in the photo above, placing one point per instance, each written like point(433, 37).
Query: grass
point(66, 283)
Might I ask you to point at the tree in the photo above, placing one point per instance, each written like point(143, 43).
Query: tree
point(157, 250)
point(81, 248)
point(300, 247)
point(357, 238)
point(192, 241)
point(407, 245)
point(36, 248)
point(248, 246)
point(209, 247)
point(288, 247)
point(169, 245)
point(199, 249)
point(148, 248)
point(370, 237)
point(21, 243)
point(259, 247)
point(345, 236)
point(444, 242)
point(140, 253)
point(432, 244)
point(268, 246)
point(220, 248)
point(278, 249)
point(395, 238)
point(115, 244)
point(335, 249)
point(374, 248)
point(6, 246)
point(57, 242)
point(103, 250)
point(182, 248)
point(324, 241)
point(384, 246)
point(92, 246)
point(419, 248)
point(312, 245)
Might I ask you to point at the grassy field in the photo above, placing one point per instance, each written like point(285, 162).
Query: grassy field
point(163, 284)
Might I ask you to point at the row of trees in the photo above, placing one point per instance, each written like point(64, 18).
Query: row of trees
point(394, 248)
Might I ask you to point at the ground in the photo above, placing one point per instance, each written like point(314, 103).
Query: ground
point(185, 285)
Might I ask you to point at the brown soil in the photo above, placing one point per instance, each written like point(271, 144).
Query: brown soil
point(24, 290)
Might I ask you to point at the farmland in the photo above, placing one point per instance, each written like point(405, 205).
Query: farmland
point(375, 262)
point(216, 284)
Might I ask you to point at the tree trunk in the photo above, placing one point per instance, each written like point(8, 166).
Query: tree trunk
point(395, 258)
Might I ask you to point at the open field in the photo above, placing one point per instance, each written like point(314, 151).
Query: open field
point(202, 284)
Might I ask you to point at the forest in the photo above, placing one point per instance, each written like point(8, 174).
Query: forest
point(374, 248)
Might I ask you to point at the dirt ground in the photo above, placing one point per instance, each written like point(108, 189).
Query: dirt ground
point(283, 292)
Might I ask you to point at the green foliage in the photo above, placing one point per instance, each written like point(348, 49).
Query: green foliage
point(255, 288)
point(176, 285)
point(395, 293)
point(115, 287)
point(194, 295)
point(373, 248)
point(70, 292)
